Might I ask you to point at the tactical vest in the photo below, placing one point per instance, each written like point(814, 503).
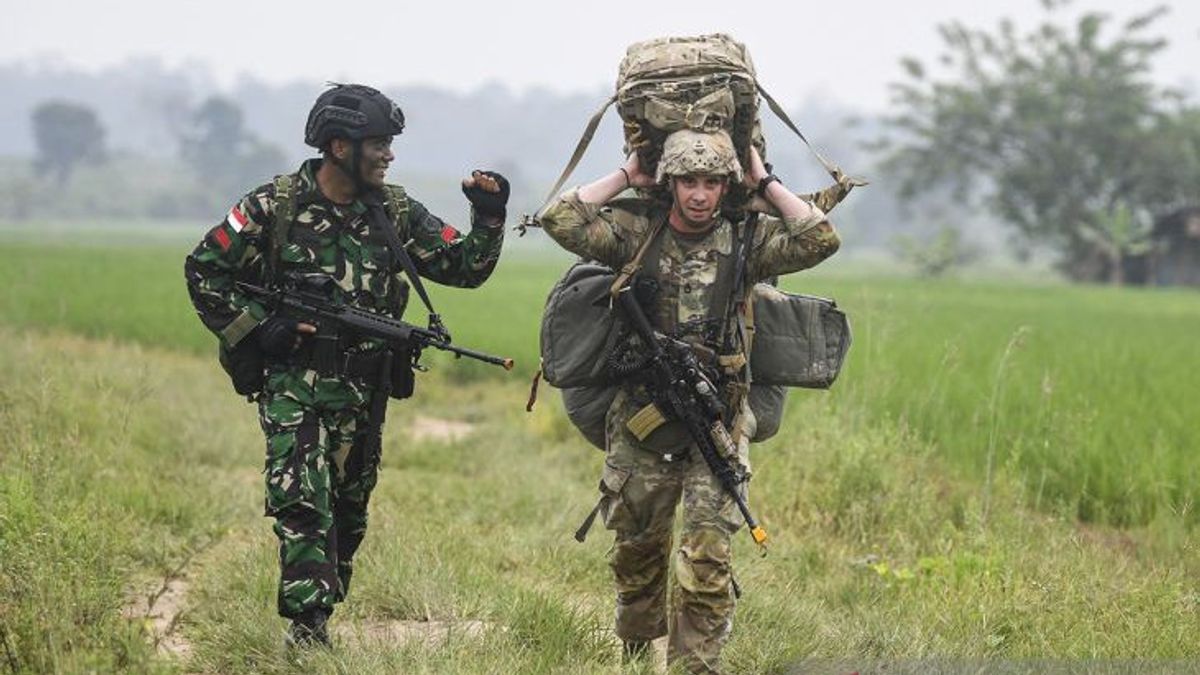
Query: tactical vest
point(284, 208)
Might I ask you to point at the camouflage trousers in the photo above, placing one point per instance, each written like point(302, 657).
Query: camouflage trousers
point(640, 490)
point(319, 475)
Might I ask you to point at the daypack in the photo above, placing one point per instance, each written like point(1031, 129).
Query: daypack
point(799, 340)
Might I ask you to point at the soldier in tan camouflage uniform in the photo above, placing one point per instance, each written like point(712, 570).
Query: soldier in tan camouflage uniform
point(316, 393)
point(644, 480)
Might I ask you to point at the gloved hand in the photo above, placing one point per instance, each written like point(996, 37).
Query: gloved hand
point(278, 336)
point(478, 190)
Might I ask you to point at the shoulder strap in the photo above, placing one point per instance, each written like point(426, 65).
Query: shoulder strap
point(397, 206)
point(630, 268)
point(377, 217)
point(580, 148)
point(284, 209)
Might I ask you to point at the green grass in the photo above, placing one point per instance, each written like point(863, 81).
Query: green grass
point(1079, 392)
point(127, 457)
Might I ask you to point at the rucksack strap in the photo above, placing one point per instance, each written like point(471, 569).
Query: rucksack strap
point(829, 166)
point(284, 209)
point(588, 132)
point(631, 268)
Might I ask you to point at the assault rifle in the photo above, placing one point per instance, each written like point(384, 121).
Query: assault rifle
point(307, 296)
point(678, 383)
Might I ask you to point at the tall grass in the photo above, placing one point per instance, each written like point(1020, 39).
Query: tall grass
point(1089, 410)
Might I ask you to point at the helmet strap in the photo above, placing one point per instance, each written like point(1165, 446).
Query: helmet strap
point(351, 165)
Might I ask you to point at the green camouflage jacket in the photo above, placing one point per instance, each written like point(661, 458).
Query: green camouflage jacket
point(333, 239)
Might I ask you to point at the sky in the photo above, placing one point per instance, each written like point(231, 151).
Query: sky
point(843, 52)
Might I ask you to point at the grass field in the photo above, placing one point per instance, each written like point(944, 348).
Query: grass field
point(1002, 473)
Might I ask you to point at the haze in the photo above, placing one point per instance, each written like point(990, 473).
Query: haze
point(844, 52)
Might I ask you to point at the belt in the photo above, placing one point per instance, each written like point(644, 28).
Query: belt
point(323, 353)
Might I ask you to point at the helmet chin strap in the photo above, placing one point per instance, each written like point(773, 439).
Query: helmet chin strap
point(352, 166)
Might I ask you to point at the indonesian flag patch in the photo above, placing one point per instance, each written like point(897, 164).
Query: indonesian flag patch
point(236, 219)
point(222, 239)
point(449, 234)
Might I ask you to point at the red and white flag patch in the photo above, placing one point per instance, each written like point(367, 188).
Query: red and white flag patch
point(449, 234)
point(236, 219)
point(222, 239)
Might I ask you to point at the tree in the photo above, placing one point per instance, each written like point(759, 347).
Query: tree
point(217, 146)
point(66, 134)
point(941, 253)
point(1052, 129)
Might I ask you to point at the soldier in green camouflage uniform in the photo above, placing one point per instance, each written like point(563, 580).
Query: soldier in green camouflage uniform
point(644, 480)
point(320, 467)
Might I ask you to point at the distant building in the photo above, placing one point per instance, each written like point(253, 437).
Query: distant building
point(1175, 260)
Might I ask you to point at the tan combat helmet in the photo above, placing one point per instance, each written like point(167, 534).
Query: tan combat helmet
point(694, 152)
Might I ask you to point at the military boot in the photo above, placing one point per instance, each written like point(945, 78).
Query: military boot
point(309, 630)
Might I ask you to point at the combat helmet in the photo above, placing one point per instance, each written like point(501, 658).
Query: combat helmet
point(354, 112)
point(695, 152)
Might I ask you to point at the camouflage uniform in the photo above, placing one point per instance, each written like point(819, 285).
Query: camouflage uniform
point(643, 482)
point(319, 472)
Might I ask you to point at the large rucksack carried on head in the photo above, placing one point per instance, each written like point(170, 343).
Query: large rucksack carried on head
point(702, 83)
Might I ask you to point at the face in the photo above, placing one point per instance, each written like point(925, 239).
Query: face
point(376, 156)
point(697, 198)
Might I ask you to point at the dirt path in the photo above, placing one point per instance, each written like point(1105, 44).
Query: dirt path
point(438, 429)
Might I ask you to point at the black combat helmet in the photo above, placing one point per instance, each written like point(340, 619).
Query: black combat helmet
point(354, 112)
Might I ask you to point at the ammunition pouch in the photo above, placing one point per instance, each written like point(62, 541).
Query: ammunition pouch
point(324, 354)
point(245, 364)
point(658, 430)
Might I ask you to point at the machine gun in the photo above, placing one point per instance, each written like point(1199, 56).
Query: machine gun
point(678, 383)
point(307, 296)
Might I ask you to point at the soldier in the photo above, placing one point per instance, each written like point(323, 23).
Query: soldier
point(315, 389)
point(644, 480)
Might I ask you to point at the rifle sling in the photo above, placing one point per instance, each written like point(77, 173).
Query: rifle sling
point(377, 219)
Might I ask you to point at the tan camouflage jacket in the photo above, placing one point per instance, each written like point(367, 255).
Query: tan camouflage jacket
point(687, 269)
point(333, 239)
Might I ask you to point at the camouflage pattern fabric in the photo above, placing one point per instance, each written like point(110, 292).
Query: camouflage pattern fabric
point(641, 485)
point(318, 479)
point(333, 239)
point(640, 491)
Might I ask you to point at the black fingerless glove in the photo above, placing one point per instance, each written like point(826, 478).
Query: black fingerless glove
point(277, 336)
point(489, 203)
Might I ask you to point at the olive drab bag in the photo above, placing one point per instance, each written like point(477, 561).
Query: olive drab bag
point(799, 341)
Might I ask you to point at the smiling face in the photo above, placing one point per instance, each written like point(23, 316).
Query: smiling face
point(374, 160)
point(696, 200)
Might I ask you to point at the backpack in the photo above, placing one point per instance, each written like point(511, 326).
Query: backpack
point(703, 83)
point(245, 363)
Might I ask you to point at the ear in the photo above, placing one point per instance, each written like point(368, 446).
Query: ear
point(339, 148)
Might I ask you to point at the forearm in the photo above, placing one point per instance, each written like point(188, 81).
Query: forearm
point(787, 203)
point(604, 189)
point(445, 255)
point(580, 227)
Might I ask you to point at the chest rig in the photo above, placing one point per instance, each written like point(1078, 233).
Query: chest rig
point(720, 337)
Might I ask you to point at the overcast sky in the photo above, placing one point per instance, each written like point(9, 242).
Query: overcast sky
point(846, 51)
